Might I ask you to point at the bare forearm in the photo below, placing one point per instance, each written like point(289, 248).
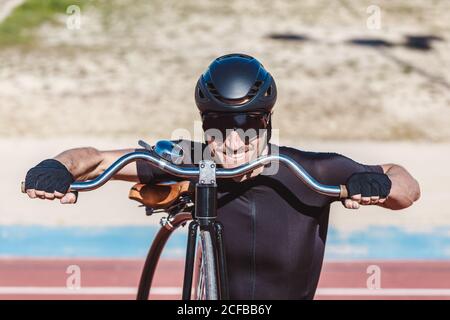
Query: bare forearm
point(405, 189)
point(88, 163)
point(83, 163)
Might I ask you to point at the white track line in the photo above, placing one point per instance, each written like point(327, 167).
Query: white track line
point(394, 292)
point(397, 292)
point(86, 291)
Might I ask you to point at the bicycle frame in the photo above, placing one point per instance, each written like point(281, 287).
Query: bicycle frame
point(205, 220)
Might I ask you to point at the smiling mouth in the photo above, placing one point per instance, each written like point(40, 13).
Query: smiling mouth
point(236, 155)
point(242, 150)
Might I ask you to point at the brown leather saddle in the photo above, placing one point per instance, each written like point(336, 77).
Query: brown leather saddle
point(162, 196)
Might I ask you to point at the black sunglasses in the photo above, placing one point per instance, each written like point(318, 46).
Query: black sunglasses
point(249, 124)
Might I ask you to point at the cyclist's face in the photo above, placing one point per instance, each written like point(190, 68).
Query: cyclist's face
point(238, 148)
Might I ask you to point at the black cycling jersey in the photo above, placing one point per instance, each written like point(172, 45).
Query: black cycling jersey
point(275, 226)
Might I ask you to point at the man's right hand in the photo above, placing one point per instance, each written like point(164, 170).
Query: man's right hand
point(50, 180)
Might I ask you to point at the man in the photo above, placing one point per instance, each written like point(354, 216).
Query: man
point(275, 227)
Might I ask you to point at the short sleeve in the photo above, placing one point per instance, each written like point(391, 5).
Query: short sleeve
point(335, 169)
point(327, 168)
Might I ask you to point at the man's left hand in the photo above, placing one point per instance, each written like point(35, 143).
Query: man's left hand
point(367, 188)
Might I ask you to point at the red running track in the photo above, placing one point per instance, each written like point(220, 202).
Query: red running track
point(118, 279)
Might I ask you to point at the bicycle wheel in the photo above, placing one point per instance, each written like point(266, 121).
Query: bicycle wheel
point(158, 244)
point(205, 280)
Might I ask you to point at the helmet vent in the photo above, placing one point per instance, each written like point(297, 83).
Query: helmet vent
point(254, 89)
point(268, 92)
point(213, 90)
point(252, 93)
point(200, 94)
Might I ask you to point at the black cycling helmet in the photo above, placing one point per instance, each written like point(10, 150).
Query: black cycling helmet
point(235, 83)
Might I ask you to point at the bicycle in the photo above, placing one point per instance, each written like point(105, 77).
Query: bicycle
point(208, 264)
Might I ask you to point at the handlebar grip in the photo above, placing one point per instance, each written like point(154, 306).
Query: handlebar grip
point(22, 189)
point(344, 192)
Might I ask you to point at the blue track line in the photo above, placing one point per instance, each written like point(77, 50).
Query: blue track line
point(134, 241)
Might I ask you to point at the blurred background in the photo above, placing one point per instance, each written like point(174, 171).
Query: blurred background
point(368, 79)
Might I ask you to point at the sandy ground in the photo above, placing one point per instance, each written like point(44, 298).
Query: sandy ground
point(337, 79)
point(110, 206)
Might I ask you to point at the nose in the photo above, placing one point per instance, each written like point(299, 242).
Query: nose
point(233, 142)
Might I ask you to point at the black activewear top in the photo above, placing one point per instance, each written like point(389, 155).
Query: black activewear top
point(275, 227)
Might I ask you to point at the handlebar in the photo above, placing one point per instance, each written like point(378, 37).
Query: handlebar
point(192, 172)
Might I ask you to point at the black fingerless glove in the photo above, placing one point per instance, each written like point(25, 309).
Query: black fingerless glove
point(369, 184)
point(50, 175)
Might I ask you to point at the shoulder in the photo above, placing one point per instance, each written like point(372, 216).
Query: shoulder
point(309, 159)
point(307, 155)
point(327, 167)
